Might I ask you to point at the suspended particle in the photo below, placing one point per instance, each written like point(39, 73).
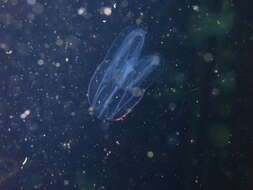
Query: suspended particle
point(91, 110)
point(59, 42)
point(31, 2)
point(137, 92)
point(208, 57)
point(66, 182)
point(124, 4)
point(172, 106)
point(38, 8)
point(138, 21)
point(215, 91)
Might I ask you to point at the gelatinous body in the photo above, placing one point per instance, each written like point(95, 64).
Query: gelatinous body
point(119, 82)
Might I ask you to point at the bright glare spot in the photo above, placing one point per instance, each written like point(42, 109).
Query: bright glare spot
point(8, 52)
point(40, 62)
point(25, 161)
point(195, 8)
point(91, 110)
point(106, 11)
point(25, 114)
point(150, 154)
point(57, 64)
point(117, 142)
point(81, 11)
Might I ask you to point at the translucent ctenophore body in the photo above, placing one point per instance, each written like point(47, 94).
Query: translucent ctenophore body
point(119, 82)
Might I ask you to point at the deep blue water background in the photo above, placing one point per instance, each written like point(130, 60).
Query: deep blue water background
point(192, 130)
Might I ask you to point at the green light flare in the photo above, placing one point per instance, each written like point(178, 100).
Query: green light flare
point(204, 25)
point(228, 82)
point(83, 183)
point(219, 135)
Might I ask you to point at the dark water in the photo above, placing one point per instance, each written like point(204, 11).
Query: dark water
point(191, 130)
